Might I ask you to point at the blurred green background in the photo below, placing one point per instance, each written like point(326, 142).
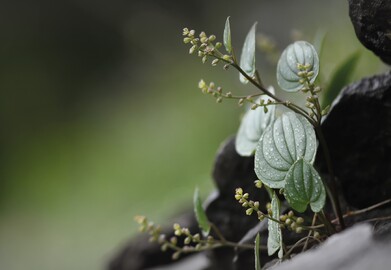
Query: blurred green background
point(101, 118)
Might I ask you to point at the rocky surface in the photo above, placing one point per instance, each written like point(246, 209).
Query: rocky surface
point(356, 248)
point(372, 22)
point(358, 133)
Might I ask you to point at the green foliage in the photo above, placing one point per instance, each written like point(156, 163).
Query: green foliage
point(247, 59)
point(304, 186)
point(200, 214)
point(289, 139)
point(256, 253)
point(253, 125)
point(340, 78)
point(295, 57)
point(274, 241)
point(227, 36)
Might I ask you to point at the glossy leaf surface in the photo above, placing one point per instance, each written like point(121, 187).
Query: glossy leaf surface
point(304, 186)
point(247, 59)
point(300, 52)
point(289, 139)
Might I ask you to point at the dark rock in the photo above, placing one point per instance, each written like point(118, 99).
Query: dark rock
point(358, 134)
point(372, 22)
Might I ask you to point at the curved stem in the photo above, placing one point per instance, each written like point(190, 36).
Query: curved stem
point(287, 104)
point(332, 185)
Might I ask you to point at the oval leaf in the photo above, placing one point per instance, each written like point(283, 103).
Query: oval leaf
point(300, 52)
point(304, 186)
point(227, 36)
point(251, 128)
point(274, 241)
point(200, 214)
point(289, 139)
point(247, 59)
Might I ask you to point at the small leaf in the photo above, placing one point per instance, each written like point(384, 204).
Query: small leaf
point(289, 139)
point(340, 78)
point(304, 186)
point(256, 253)
point(251, 128)
point(200, 214)
point(247, 59)
point(227, 36)
point(274, 241)
point(300, 52)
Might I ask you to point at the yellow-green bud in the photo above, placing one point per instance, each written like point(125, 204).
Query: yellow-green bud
point(288, 221)
point(201, 84)
point(218, 45)
point(283, 218)
point(215, 62)
point(212, 38)
point(299, 220)
point(299, 229)
point(192, 49)
point(258, 183)
point(219, 100)
point(164, 247)
point(192, 33)
point(185, 31)
point(238, 197)
point(204, 59)
point(241, 101)
point(187, 240)
point(291, 214)
point(254, 106)
point(174, 240)
point(245, 195)
point(239, 191)
point(249, 211)
point(186, 40)
point(204, 40)
point(256, 205)
point(227, 57)
point(176, 255)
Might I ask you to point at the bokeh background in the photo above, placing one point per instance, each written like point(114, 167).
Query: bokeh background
point(101, 118)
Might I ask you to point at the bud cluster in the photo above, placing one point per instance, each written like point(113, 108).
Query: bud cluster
point(252, 206)
point(217, 92)
point(205, 46)
point(292, 222)
point(182, 242)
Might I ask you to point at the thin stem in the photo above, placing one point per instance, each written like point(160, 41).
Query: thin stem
point(361, 211)
point(332, 190)
point(287, 104)
point(326, 222)
point(310, 232)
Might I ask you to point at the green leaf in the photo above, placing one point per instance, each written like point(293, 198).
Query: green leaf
point(227, 36)
point(200, 214)
point(256, 253)
point(304, 186)
point(289, 139)
point(340, 78)
point(274, 241)
point(251, 128)
point(300, 52)
point(247, 59)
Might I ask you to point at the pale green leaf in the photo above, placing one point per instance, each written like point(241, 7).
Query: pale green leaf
point(247, 59)
point(253, 125)
point(256, 253)
point(200, 214)
point(300, 52)
point(304, 186)
point(289, 139)
point(227, 36)
point(274, 241)
point(340, 78)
